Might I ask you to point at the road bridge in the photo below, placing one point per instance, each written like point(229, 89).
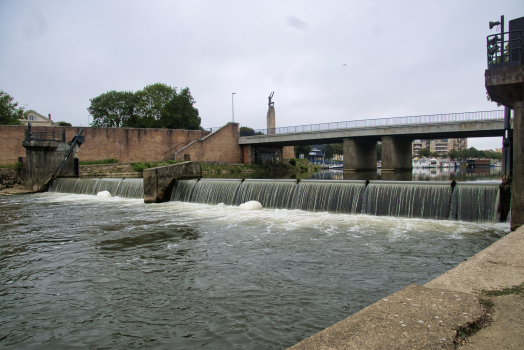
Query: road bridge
point(455, 125)
point(360, 136)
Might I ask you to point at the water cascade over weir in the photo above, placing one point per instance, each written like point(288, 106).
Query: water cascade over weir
point(215, 191)
point(413, 199)
point(471, 201)
point(275, 194)
point(333, 196)
point(125, 188)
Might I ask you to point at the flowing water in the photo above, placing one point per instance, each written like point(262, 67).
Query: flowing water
point(79, 271)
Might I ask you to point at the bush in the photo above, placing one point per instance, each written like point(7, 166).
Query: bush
point(18, 168)
point(293, 161)
point(141, 166)
point(101, 161)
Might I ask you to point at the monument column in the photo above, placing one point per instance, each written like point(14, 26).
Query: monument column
point(271, 125)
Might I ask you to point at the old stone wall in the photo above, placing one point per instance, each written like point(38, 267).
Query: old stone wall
point(222, 145)
point(123, 144)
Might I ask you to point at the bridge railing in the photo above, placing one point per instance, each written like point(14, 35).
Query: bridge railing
point(369, 123)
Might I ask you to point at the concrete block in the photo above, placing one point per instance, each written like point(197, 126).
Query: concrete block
point(159, 181)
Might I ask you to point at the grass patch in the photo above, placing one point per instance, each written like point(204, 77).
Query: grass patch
point(101, 161)
point(141, 166)
point(230, 168)
point(519, 290)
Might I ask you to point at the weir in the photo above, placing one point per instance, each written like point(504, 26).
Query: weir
point(466, 201)
point(412, 199)
point(125, 188)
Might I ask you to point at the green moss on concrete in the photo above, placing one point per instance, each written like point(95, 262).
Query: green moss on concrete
point(519, 290)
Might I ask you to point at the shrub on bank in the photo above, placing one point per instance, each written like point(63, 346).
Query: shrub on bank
point(141, 166)
point(101, 161)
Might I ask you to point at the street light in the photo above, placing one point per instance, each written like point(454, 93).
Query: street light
point(233, 106)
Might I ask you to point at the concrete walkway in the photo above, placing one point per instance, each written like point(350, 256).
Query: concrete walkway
point(427, 317)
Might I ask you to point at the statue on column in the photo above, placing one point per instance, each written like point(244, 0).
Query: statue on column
point(271, 115)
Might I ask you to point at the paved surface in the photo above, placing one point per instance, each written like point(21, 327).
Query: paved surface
point(507, 329)
point(402, 320)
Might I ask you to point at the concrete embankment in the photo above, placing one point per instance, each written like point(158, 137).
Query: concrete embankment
point(428, 317)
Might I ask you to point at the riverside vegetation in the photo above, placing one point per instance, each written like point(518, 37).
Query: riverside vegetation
point(297, 167)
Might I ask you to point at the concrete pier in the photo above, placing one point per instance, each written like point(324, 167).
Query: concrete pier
point(517, 202)
point(360, 154)
point(396, 153)
point(506, 86)
point(159, 181)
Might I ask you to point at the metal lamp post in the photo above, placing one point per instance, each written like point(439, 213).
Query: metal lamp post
point(233, 106)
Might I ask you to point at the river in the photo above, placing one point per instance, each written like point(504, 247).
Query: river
point(79, 271)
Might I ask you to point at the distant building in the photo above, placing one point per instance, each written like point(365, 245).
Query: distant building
point(417, 145)
point(36, 119)
point(440, 146)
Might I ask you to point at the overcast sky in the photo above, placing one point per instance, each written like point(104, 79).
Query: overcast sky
point(325, 60)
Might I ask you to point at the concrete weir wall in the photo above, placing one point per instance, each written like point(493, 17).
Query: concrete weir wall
point(159, 181)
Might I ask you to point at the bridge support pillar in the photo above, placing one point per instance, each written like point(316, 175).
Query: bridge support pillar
point(396, 153)
point(517, 200)
point(360, 154)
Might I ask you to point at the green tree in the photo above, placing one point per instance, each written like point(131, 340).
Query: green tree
point(332, 149)
point(10, 113)
point(64, 124)
point(424, 152)
point(302, 149)
point(453, 154)
point(379, 152)
point(179, 112)
point(246, 131)
point(112, 109)
point(150, 101)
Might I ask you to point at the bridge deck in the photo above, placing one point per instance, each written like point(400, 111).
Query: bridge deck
point(457, 129)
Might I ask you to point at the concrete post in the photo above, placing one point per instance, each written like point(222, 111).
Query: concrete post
point(396, 154)
point(360, 154)
point(517, 200)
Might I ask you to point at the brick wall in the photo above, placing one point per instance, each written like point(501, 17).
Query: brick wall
point(288, 152)
point(123, 144)
point(221, 145)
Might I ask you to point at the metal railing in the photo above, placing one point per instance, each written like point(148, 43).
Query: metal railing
point(369, 123)
point(505, 52)
point(43, 134)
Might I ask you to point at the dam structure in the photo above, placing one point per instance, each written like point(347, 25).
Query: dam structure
point(466, 201)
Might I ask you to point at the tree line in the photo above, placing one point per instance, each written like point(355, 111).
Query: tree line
point(155, 106)
point(471, 152)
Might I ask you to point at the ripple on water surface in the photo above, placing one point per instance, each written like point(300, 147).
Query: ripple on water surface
point(92, 272)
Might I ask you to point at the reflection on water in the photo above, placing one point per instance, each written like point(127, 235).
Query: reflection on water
point(418, 174)
point(88, 272)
